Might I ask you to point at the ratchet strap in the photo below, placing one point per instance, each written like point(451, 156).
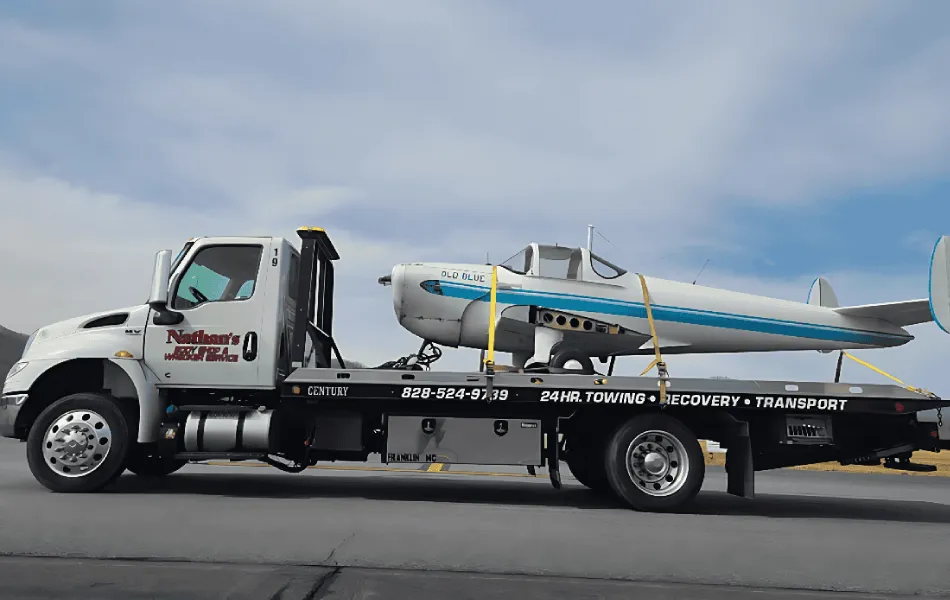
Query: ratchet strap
point(490, 359)
point(658, 361)
point(889, 376)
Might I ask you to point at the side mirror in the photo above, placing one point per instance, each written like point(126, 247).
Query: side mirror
point(158, 298)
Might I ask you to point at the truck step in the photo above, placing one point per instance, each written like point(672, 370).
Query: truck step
point(216, 408)
point(220, 456)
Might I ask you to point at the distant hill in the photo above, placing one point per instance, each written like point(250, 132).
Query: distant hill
point(11, 348)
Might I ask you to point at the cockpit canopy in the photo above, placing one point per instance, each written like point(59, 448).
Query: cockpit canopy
point(561, 262)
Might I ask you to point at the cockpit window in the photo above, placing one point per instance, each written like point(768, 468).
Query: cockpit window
point(519, 263)
point(558, 262)
point(604, 268)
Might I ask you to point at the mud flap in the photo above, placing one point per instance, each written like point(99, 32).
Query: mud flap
point(740, 471)
point(551, 452)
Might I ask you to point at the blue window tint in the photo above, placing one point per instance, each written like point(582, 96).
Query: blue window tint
point(219, 274)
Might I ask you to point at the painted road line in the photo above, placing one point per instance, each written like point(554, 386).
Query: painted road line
point(384, 469)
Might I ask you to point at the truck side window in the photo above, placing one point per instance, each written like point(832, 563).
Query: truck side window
point(294, 278)
point(219, 274)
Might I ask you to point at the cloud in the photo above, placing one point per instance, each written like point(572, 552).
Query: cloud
point(74, 250)
point(448, 129)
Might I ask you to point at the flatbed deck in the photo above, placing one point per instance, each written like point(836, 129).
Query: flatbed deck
point(598, 391)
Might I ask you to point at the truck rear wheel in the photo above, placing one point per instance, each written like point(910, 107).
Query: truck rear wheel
point(78, 443)
point(586, 465)
point(655, 463)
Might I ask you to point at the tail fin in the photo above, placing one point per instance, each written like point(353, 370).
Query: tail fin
point(821, 294)
point(939, 294)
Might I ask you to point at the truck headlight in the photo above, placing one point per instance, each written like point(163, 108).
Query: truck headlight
point(16, 368)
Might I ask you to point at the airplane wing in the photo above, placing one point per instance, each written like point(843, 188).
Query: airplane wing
point(902, 314)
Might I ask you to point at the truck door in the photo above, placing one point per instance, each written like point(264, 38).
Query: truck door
point(220, 289)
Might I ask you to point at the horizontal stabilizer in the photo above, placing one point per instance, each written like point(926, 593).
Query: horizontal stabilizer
point(901, 314)
point(821, 294)
point(936, 307)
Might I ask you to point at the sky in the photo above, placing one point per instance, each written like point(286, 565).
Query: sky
point(777, 141)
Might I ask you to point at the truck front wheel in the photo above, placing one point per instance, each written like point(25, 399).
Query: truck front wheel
point(78, 443)
point(655, 463)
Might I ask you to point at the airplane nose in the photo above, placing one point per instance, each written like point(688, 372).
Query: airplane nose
point(397, 278)
point(420, 306)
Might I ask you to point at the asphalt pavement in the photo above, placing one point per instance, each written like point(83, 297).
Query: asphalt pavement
point(354, 530)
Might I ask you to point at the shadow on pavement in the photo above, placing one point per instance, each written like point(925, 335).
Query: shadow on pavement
point(469, 490)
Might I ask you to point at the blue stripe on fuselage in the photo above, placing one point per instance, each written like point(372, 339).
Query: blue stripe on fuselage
point(689, 316)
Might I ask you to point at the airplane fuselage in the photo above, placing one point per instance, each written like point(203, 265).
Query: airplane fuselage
point(449, 305)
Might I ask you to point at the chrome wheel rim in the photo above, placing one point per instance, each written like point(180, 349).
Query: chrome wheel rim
point(573, 364)
point(77, 443)
point(657, 463)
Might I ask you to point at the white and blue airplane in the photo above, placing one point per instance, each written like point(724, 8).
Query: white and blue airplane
point(560, 307)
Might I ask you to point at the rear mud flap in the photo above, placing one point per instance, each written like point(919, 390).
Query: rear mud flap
point(740, 471)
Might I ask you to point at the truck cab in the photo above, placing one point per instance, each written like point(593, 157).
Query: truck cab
point(225, 323)
point(220, 317)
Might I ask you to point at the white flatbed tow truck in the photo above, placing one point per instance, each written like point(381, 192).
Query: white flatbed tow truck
point(230, 359)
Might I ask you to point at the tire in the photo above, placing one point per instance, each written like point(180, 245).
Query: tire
point(586, 471)
point(583, 458)
point(145, 464)
point(678, 463)
point(95, 467)
point(572, 359)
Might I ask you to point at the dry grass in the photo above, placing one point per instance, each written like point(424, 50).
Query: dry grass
point(940, 460)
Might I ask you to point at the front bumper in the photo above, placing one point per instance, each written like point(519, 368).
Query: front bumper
point(10, 406)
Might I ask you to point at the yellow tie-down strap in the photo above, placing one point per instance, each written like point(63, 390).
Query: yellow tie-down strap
point(889, 376)
point(492, 308)
point(658, 361)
